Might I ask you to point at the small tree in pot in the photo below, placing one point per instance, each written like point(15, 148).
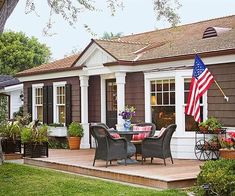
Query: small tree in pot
point(75, 132)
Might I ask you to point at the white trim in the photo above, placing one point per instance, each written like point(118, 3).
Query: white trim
point(179, 76)
point(103, 79)
point(123, 68)
point(120, 81)
point(89, 53)
point(52, 75)
point(34, 86)
point(84, 98)
point(55, 112)
point(13, 88)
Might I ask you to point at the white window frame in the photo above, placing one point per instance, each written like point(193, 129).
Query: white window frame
point(34, 112)
point(204, 104)
point(179, 76)
point(55, 109)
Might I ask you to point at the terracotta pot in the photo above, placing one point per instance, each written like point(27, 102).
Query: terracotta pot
point(74, 143)
point(217, 131)
point(227, 153)
point(203, 129)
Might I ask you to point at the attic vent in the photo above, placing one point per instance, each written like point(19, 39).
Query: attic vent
point(214, 31)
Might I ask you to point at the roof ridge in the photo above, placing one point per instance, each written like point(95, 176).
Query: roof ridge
point(121, 41)
point(203, 21)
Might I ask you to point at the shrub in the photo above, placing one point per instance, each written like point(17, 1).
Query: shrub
point(75, 130)
point(219, 175)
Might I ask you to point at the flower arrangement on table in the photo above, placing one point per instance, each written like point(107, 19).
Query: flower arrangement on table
point(127, 114)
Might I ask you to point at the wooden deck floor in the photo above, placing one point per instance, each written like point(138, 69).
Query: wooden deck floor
point(178, 175)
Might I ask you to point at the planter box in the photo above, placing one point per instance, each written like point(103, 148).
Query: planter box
point(36, 150)
point(11, 146)
point(57, 131)
point(227, 153)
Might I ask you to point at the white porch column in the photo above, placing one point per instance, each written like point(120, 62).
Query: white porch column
point(121, 81)
point(84, 110)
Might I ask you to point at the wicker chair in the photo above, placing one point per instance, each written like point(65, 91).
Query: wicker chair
point(107, 147)
point(158, 147)
point(138, 143)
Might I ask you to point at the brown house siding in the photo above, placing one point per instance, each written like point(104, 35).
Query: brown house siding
point(135, 94)
point(217, 106)
point(94, 105)
point(74, 81)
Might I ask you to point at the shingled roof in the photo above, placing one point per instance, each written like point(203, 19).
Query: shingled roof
point(154, 46)
point(6, 80)
point(171, 42)
point(55, 66)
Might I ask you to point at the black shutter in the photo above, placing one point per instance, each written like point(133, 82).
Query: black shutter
point(30, 101)
point(68, 104)
point(45, 105)
point(49, 104)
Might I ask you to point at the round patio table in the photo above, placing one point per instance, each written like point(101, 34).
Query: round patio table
point(131, 149)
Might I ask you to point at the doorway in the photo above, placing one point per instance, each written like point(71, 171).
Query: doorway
point(111, 103)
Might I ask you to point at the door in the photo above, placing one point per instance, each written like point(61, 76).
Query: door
point(111, 103)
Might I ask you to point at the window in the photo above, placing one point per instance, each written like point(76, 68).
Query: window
point(190, 124)
point(38, 100)
point(111, 95)
point(59, 93)
point(163, 102)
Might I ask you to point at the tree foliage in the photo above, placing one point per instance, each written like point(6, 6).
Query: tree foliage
point(70, 10)
point(111, 35)
point(3, 108)
point(19, 52)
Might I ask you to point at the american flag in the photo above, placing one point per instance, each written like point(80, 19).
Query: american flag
point(200, 83)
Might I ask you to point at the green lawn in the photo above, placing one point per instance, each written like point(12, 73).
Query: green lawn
point(24, 180)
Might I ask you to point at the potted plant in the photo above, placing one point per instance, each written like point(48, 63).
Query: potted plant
point(35, 140)
point(214, 143)
point(214, 125)
point(75, 132)
point(227, 150)
point(211, 125)
point(10, 133)
point(203, 127)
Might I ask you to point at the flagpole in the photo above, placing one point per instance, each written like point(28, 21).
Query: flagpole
point(225, 97)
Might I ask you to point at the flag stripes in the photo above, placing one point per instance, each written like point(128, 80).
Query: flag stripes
point(200, 83)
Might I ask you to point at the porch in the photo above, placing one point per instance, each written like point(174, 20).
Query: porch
point(181, 174)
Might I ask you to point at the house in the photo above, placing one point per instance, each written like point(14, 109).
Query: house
point(151, 71)
point(12, 89)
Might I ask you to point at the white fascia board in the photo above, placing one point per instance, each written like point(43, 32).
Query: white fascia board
point(173, 64)
point(89, 52)
point(123, 68)
point(53, 75)
point(13, 88)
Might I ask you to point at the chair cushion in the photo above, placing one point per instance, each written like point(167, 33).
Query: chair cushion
point(115, 135)
point(160, 133)
point(141, 136)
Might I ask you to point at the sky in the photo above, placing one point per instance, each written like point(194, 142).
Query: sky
point(137, 16)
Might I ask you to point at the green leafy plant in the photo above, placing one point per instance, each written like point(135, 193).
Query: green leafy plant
point(34, 134)
point(75, 130)
point(212, 124)
point(10, 130)
point(219, 176)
